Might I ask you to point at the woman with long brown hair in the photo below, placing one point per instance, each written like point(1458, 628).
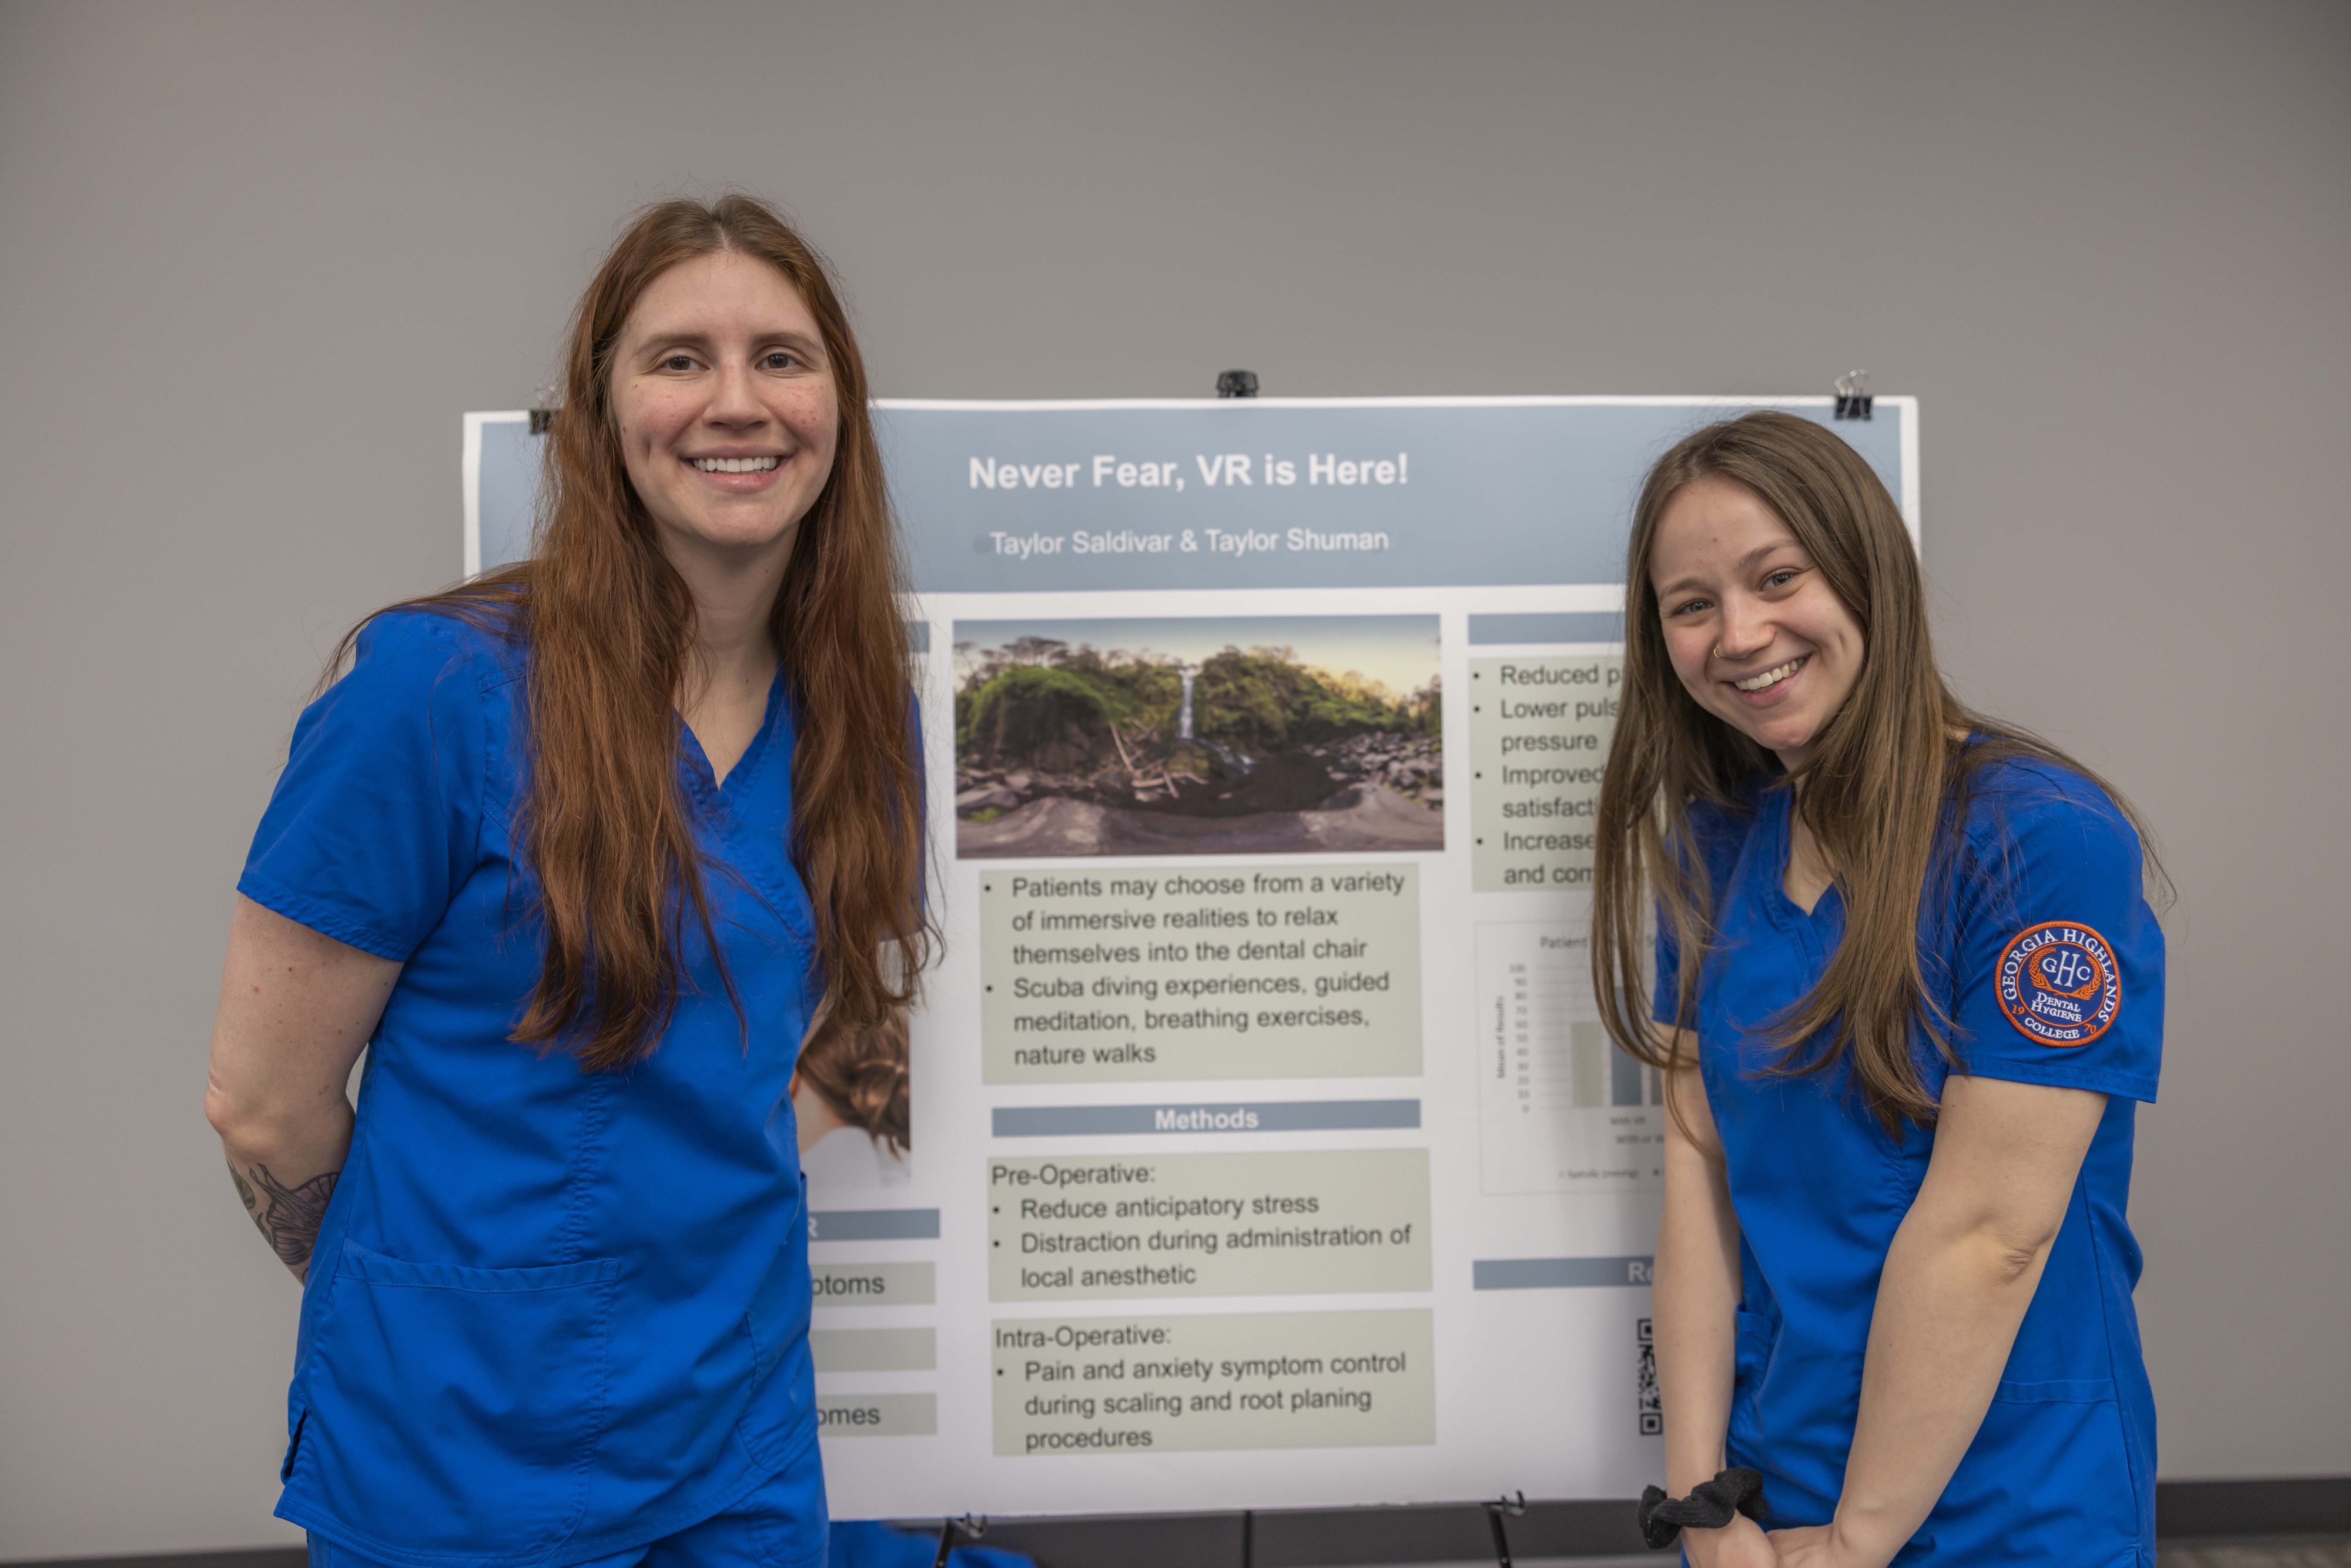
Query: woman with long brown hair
point(575, 851)
point(1908, 991)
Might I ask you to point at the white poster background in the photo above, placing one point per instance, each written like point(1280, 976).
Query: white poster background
point(1538, 1298)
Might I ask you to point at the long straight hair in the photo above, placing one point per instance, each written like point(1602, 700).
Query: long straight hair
point(1888, 778)
point(608, 625)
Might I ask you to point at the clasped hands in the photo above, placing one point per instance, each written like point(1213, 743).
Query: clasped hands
point(1743, 1544)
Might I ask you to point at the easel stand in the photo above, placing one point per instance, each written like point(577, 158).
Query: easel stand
point(971, 1525)
point(1510, 1507)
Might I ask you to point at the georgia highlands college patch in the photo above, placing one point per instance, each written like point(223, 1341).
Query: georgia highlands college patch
point(2059, 983)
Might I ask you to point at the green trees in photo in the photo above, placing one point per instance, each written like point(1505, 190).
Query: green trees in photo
point(1038, 695)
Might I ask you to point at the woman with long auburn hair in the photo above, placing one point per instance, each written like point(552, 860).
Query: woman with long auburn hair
point(1908, 993)
point(576, 852)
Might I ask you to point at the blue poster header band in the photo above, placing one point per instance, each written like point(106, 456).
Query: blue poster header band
point(1274, 1116)
point(873, 1225)
point(1558, 1274)
point(1593, 626)
point(1263, 493)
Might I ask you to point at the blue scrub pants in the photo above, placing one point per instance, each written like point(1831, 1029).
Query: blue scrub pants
point(769, 1528)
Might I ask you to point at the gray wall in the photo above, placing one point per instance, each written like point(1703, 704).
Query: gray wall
point(258, 257)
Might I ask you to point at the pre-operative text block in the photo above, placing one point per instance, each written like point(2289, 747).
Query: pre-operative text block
point(1292, 1222)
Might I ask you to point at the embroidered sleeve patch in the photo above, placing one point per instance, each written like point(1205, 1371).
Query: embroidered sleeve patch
point(2059, 983)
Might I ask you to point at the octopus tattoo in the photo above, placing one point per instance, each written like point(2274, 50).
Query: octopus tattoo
point(287, 1217)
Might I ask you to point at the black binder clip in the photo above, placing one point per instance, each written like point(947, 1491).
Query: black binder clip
point(972, 1525)
point(1853, 398)
point(1236, 383)
point(1512, 1507)
point(543, 406)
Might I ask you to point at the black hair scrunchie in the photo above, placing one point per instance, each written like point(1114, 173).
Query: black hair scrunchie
point(1709, 1506)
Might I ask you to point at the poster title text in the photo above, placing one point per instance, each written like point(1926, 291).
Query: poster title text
point(1215, 470)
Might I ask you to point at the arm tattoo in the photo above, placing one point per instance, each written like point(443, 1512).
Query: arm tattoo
point(288, 1217)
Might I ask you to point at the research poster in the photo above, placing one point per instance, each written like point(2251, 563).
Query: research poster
point(1264, 1149)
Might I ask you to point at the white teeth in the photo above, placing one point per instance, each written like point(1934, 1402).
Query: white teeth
point(736, 464)
point(1769, 678)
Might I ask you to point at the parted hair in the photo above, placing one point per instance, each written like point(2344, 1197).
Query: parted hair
point(1888, 778)
point(607, 629)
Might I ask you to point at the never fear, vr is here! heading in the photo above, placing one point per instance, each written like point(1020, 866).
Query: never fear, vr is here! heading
point(1109, 470)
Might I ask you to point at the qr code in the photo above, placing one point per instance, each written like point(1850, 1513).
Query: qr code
point(1652, 1409)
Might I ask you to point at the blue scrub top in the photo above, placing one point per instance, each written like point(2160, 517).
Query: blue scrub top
point(551, 1314)
point(2037, 941)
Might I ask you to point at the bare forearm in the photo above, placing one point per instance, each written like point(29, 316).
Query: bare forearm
point(285, 1174)
point(1695, 1318)
point(1695, 1323)
point(1960, 1272)
point(295, 1010)
point(1948, 1306)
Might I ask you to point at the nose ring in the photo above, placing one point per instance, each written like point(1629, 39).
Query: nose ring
point(1717, 649)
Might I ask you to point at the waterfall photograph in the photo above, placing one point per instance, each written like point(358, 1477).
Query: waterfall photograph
point(1211, 735)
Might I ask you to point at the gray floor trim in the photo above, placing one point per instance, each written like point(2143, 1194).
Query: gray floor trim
point(2289, 1524)
point(2312, 1505)
point(246, 1557)
point(2265, 1552)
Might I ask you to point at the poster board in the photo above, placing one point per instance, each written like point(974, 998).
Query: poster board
point(1266, 1152)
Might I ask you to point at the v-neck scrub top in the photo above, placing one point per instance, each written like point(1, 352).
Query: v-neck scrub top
point(2036, 940)
point(551, 1314)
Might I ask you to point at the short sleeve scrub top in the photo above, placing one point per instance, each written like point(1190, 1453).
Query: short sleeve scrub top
point(551, 1314)
point(2037, 941)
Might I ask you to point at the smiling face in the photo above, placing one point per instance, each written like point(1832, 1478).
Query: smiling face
point(726, 407)
point(1754, 632)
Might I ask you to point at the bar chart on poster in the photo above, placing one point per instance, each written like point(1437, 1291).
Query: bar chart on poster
point(1267, 1146)
point(1558, 1107)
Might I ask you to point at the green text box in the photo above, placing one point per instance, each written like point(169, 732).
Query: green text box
point(1264, 1380)
point(1205, 972)
point(874, 1350)
point(1539, 734)
point(877, 1415)
point(875, 1284)
point(1285, 1223)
